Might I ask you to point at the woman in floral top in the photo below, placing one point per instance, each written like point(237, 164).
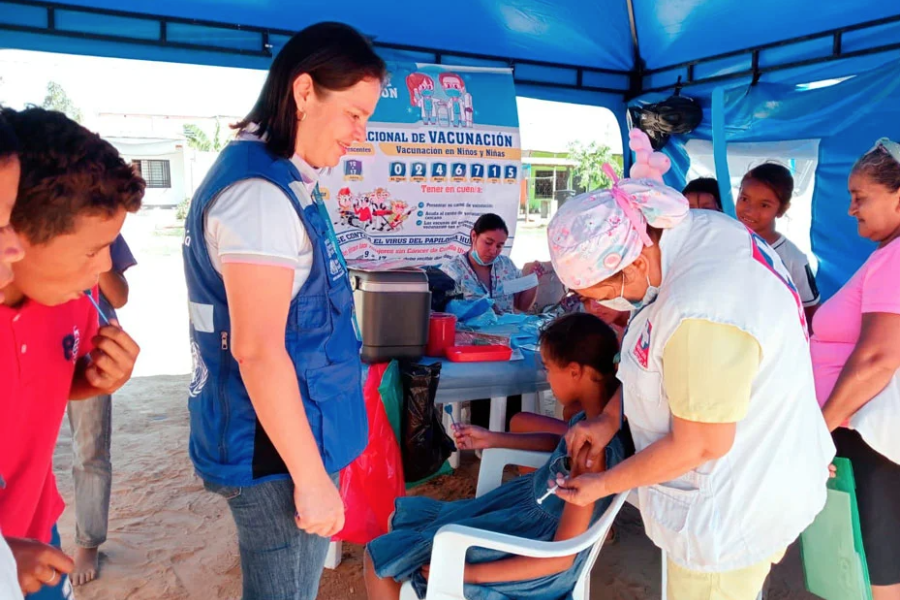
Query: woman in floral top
point(481, 271)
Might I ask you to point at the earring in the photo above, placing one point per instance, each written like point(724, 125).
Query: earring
point(301, 115)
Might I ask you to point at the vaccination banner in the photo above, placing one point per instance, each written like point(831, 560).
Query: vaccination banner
point(442, 149)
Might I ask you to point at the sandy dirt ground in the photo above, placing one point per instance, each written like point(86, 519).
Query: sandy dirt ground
point(169, 539)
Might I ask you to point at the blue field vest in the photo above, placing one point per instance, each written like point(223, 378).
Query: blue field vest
point(228, 445)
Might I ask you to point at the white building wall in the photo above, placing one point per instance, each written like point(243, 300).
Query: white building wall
point(165, 197)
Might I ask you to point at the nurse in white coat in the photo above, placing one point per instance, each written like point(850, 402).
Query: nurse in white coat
point(732, 451)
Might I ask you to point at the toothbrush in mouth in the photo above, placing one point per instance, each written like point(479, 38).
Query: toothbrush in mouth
point(97, 306)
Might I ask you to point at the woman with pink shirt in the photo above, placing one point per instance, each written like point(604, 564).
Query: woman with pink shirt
point(856, 353)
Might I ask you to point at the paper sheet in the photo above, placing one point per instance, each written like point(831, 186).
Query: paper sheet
point(514, 286)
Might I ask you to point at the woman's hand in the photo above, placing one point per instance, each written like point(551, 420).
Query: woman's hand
point(320, 510)
point(472, 437)
point(582, 490)
point(579, 488)
point(592, 435)
point(534, 267)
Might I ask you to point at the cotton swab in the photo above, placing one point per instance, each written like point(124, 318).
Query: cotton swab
point(448, 408)
point(97, 306)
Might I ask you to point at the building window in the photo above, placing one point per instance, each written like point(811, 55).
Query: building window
point(562, 179)
point(543, 184)
point(155, 172)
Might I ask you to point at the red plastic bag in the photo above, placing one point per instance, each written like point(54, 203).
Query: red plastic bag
point(371, 483)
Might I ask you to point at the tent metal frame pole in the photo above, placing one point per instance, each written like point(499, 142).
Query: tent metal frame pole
point(756, 70)
point(839, 31)
point(637, 73)
point(577, 73)
point(782, 67)
point(163, 40)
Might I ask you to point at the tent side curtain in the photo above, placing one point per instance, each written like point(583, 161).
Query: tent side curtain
point(847, 118)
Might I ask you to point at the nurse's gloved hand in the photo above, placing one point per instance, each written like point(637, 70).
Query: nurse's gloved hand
point(320, 510)
point(594, 434)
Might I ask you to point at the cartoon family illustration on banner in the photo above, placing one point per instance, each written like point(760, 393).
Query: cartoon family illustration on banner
point(374, 210)
point(456, 110)
point(430, 165)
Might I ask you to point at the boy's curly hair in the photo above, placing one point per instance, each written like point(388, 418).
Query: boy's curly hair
point(67, 172)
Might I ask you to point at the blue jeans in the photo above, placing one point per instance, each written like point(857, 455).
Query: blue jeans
point(91, 422)
point(60, 591)
point(279, 561)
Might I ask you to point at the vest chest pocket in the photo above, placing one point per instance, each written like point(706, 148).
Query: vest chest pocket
point(340, 297)
point(309, 312)
point(643, 396)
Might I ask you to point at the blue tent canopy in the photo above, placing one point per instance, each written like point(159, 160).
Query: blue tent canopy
point(846, 118)
point(585, 47)
point(742, 60)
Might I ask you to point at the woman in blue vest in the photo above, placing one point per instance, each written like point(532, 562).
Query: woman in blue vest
point(276, 400)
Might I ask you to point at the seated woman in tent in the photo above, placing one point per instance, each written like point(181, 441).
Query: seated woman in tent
point(482, 271)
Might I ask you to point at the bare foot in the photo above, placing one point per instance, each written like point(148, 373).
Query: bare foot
point(86, 566)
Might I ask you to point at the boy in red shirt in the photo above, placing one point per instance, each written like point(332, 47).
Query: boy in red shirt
point(10, 252)
point(73, 195)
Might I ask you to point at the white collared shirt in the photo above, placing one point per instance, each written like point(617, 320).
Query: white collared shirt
point(254, 222)
point(801, 273)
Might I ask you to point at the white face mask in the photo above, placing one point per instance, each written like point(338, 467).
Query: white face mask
point(619, 304)
point(623, 304)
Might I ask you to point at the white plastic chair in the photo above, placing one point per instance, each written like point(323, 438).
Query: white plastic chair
point(448, 554)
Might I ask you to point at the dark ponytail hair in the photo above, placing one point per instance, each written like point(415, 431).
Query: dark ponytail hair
point(775, 177)
point(335, 55)
point(583, 339)
point(489, 222)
